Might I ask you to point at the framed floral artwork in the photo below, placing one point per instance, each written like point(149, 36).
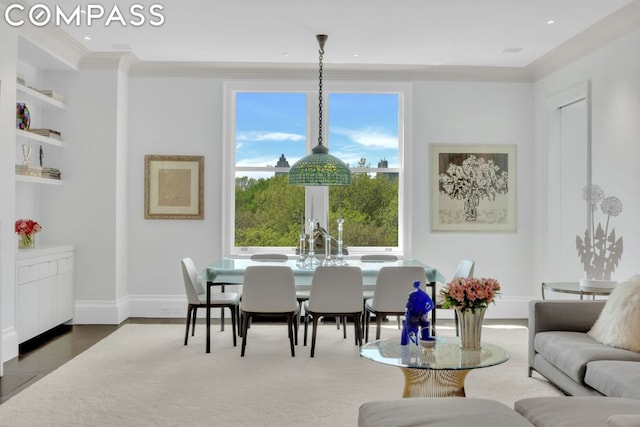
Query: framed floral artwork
point(473, 188)
point(173, 187)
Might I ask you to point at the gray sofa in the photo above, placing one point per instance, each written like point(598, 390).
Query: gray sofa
point(561, 351)
point(538, 411)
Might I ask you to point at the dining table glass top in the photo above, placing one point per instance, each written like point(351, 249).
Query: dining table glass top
point(445, 355)
point(231, 270)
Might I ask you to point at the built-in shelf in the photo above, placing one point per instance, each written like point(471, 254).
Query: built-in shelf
point(29, 94)
point(38, 180)
point(39, 138)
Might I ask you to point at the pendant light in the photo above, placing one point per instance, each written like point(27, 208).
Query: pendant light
point(320, 168)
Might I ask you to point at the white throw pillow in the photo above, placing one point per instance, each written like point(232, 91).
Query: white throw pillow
point(619, 322)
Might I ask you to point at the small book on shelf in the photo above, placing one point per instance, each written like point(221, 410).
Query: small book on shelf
point(52, 94)
point(50, 133)
point(29, 170)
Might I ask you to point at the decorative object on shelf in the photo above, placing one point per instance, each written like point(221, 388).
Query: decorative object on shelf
point(26, 230)
point(23, 117)
point(470, 297)
point(173, 187)
point(26, 154)
point(49, 133)
point(416, 326)
point(41, 156)
point(320, 168)
point(474, 187)
point(600, 251)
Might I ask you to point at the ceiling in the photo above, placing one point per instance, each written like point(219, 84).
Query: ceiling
point(496, 33)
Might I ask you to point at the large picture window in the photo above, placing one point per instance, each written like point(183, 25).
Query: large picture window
point(269, 130)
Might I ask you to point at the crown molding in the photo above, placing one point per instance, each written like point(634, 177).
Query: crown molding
point(56, 43)
point(295, 71)
point(620, 23)
point(121, 61)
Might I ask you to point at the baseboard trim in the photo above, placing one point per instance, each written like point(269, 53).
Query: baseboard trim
point(9, 344)
point(101, 312)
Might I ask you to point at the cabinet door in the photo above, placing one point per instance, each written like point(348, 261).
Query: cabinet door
point(65, 289)
point(27, 311)
point(47, 303)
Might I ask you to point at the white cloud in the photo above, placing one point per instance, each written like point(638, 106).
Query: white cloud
point(369, 137)
point(255, 136)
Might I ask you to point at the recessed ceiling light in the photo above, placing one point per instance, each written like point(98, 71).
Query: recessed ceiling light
point(551, 21)
point(87, 37)
point(511, 50)
point(356, 54)
point(285, 53)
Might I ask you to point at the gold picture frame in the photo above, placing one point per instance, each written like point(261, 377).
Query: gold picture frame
point(173, 187)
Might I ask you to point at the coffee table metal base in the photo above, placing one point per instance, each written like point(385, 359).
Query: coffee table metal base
point(433, 383)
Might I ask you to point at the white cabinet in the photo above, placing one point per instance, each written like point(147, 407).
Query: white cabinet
point(44, 281)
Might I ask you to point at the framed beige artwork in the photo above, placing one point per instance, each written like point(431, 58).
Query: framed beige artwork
point(173, 187)
point(473, 188)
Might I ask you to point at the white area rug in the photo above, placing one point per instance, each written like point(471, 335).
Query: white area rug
point(143, 375)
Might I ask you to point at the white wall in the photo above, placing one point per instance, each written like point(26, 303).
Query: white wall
point(183, 116)
point(476, 113)
point(171, 116)
point(614, 76)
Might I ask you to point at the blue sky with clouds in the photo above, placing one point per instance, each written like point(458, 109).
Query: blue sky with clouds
point(360, 125)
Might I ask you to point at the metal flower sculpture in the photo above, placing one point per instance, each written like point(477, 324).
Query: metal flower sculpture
point(474, 180)
point(600, 251)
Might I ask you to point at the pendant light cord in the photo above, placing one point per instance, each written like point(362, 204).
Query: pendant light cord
point(321, 51)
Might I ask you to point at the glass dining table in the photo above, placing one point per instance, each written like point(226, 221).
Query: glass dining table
point(229, 271)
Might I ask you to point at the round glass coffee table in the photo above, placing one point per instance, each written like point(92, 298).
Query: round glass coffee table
point(436, 372)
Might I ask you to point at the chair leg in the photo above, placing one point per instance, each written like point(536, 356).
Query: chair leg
point(194, 316)
point(306, 327)
point(367, 320)
point(233, 323)
point(188, 322)
point(222, 312)
point(378, 325)
point(358, 328)
point(344, 326)
point(290, 329)
point(245, 324)
point(313, 335)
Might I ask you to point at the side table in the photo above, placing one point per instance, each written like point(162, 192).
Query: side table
point(573, 288)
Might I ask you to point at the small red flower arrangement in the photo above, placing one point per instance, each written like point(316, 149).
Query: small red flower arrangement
point(25, 229)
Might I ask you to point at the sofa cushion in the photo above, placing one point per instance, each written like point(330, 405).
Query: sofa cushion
point(574, 411)
point(571, 351)
point(623, 421)
point(618, 322)
point(438, 412)
point(614, 378)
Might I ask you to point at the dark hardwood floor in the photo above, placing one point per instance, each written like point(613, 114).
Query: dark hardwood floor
point(45, 353)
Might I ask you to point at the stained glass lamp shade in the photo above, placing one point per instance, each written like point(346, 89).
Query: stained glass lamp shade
point(320, 168)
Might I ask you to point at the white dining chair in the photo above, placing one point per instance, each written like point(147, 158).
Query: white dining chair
point(335, 291)
point(269, 291)
point(197, 298)
point(393, 285)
